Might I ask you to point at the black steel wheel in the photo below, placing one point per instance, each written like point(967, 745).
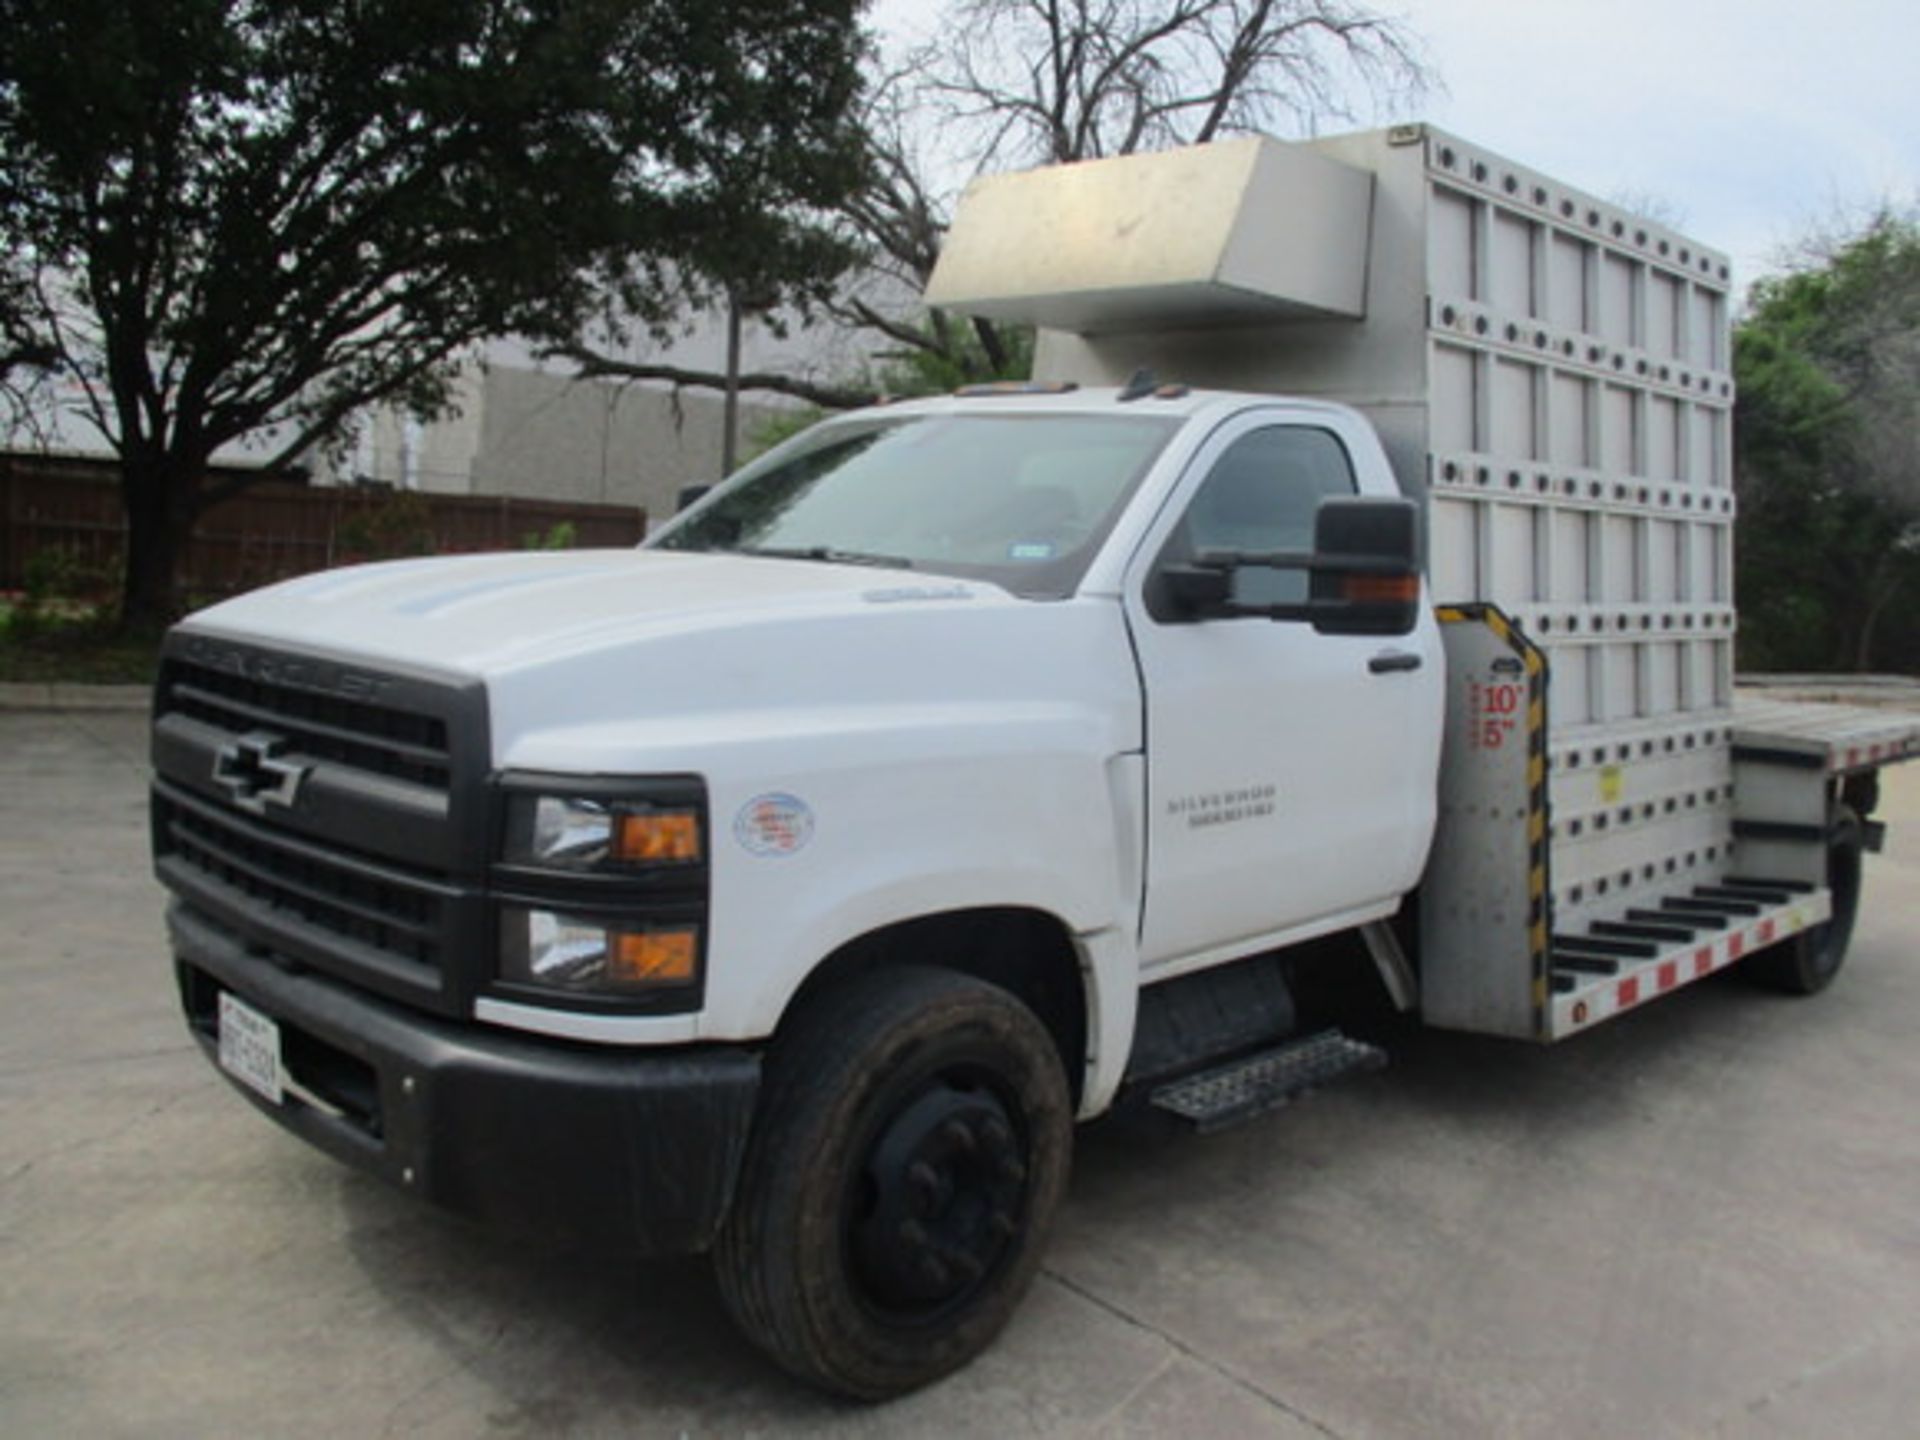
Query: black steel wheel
point(911, 1148)
point(1808, 962)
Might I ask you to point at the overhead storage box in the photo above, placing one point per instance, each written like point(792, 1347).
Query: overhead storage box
point(1239, 231)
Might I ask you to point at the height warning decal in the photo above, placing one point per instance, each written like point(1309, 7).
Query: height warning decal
point(1496, 713)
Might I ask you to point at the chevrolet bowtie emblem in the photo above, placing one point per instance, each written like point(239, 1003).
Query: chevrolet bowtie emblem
point(250, 771)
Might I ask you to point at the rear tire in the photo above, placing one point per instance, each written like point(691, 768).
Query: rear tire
point(911, 1149)
point(1807, 963)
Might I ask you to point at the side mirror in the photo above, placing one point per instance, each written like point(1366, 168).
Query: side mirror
point(1366, 567)
point(1362, 576)
point(688, 495)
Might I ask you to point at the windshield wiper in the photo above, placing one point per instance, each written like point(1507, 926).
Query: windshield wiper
point(828, 553)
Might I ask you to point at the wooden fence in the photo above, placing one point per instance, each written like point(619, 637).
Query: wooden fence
point(274, 529)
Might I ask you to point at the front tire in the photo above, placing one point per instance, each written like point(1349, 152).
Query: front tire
point(1807, 963)
point(911, 1149)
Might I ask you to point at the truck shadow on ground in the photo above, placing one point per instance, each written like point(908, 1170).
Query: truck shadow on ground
point(1470, 1082)
point(559, 1341)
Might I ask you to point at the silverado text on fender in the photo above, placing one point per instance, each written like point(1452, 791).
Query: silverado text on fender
point(789, 887)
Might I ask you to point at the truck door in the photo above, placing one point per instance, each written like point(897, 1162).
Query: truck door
point(1290, 774)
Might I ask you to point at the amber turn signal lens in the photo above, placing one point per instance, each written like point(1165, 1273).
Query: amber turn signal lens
point(1381, 589)
point(653, 957)
point(653, 836)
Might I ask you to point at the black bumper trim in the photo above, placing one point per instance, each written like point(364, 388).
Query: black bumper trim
point(616, 1151)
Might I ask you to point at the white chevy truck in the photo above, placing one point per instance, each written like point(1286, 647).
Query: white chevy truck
point(789, 887)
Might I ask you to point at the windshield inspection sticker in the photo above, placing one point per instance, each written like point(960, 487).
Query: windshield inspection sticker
point(774, 825)
point(1030, 550)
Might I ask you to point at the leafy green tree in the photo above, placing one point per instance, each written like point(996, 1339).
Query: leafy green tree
point(959, 357)
point(251, 218)
point(1828, 456)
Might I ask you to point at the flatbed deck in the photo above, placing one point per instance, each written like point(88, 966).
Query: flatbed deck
point(1839, 739)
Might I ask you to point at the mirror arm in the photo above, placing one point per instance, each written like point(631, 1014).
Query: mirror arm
point(1230, 560)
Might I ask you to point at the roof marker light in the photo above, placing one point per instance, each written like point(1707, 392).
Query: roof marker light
point(1016, 387)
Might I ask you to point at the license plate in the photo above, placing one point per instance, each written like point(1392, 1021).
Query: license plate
point(250, 1048)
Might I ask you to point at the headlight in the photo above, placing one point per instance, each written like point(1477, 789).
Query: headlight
point(596, 954)
point(569, 832)
point(601, 891)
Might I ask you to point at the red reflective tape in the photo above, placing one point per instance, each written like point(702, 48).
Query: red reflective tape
point(1702, 961)
point(1669, 975)
point(1629, 992)
point(1736, 946)
point(1765, 934)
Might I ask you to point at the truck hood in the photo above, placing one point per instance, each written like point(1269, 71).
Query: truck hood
point(598, 659)
point(488, 615)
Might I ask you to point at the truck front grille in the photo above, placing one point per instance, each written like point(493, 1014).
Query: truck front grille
point(371, 864)
point(396, 916)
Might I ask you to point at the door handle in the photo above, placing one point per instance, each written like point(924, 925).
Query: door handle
point(1391, 660)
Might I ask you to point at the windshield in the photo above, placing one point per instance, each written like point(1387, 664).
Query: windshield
point(1021, 500)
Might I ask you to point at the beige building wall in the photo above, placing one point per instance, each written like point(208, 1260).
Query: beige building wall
point(529, 432)
point(521, 429)
point(396, 449)
point(556, 437)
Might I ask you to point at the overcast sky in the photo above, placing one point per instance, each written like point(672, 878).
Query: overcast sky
point(1748, 121)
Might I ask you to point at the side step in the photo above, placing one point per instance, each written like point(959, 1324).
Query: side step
point(1254, 1084)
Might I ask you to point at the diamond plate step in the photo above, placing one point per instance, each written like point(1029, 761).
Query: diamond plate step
point(1254, 1084)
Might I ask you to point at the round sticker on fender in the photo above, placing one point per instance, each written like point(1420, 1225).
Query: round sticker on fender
point(774, 824)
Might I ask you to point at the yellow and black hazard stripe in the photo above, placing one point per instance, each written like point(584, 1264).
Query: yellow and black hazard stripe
point(1533, 661)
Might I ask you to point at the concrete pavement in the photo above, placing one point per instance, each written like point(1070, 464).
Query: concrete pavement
point(65, 696)
point(1700, 1220)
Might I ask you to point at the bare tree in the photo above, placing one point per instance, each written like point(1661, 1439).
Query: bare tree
point(1054, 81)
point(1032, 82)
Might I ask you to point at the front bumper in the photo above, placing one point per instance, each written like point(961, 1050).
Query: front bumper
point(611, 1150)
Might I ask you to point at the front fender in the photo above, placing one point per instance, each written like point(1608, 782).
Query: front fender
point(862, 769)
point(1013, 807)
point(829, 824)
